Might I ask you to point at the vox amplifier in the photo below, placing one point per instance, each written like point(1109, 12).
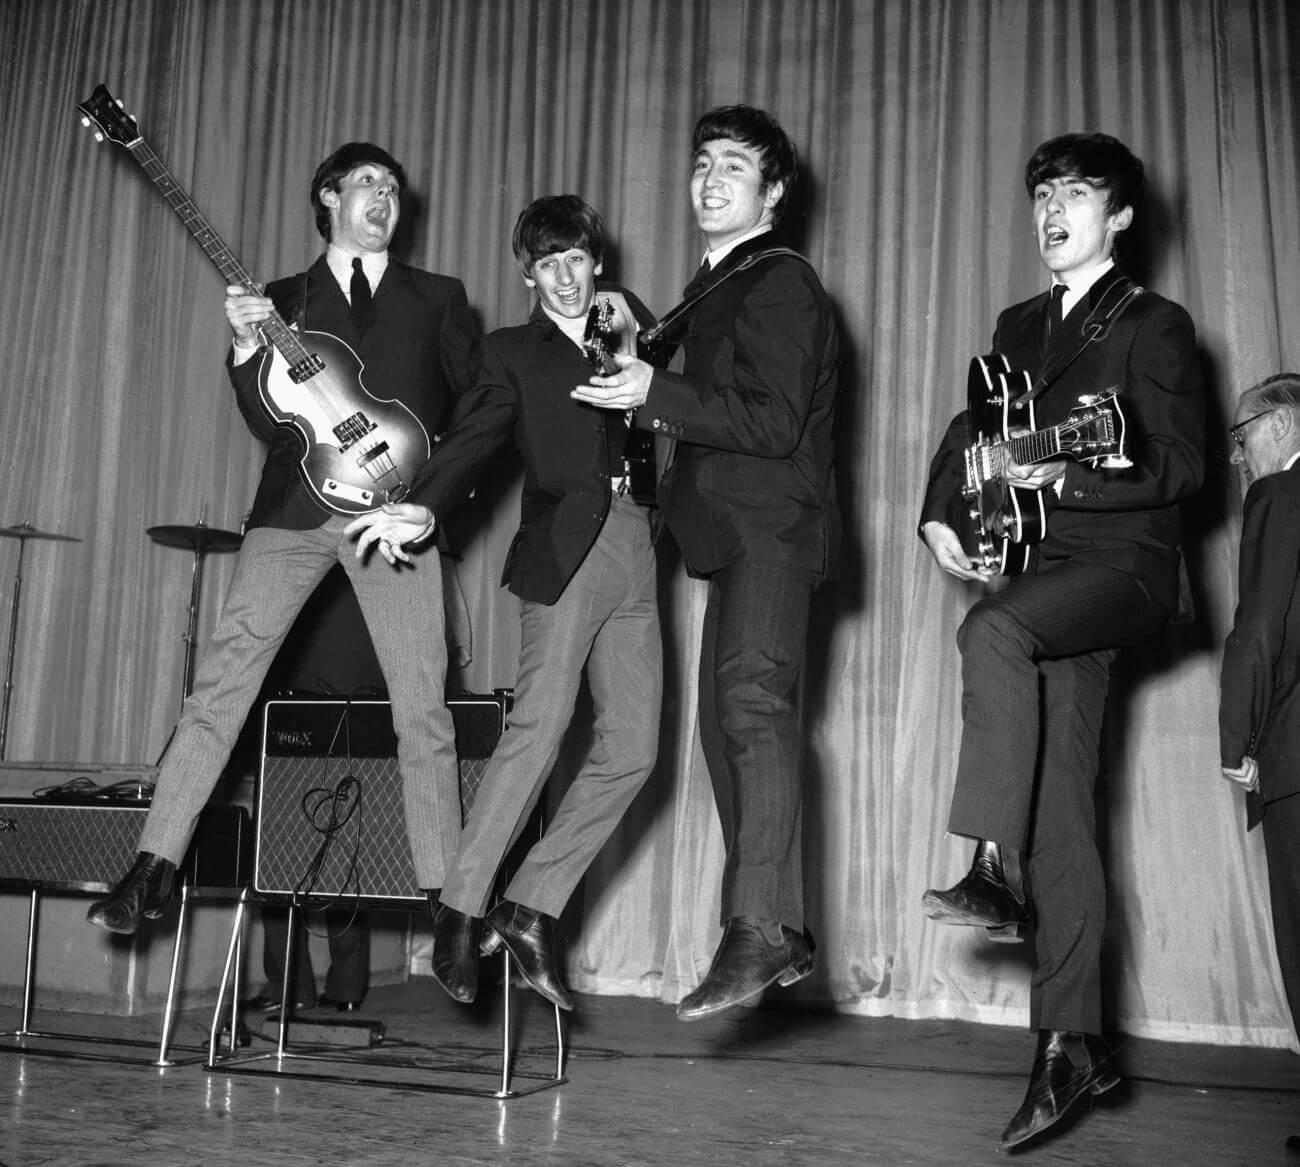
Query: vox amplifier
point(324, 838)
point(88, 844)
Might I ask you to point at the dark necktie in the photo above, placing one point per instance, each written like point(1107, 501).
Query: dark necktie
point(360, 291)
point(698, 280)
point(1054, 313)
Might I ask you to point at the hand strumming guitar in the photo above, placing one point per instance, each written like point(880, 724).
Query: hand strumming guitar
point(949, 554)
point(626, 389)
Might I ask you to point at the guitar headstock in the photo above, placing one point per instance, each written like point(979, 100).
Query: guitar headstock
point(110, 116)
point(1094, 428)
point(598, 342)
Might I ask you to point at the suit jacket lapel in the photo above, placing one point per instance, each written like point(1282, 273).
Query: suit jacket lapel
point(1072, 325)
point(703, 279)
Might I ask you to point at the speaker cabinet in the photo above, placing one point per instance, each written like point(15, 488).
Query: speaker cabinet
point(88, 844)
point(324, 838)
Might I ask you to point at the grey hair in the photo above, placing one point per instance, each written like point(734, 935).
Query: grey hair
point(1282, 390)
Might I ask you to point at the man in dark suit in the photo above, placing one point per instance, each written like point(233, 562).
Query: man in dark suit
point(582, 565)
point(1036, 657)
point(413, 332)
point(750, 499)
point(1259, 704)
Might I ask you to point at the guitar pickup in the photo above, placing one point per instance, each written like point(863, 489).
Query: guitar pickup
point(306, 369)
point(352, 429)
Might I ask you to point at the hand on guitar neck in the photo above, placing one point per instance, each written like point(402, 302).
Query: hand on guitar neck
point(1033, 475)
point(245, 312)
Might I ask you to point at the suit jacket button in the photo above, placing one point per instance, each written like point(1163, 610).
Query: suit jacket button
point(655, 423)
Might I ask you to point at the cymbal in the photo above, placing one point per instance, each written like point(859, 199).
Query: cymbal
point(196, 538)
point(27, 531)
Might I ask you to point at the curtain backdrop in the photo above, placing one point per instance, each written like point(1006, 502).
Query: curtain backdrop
point(914, 119)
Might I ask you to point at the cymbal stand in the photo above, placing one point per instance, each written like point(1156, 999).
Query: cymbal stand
point(192, 626)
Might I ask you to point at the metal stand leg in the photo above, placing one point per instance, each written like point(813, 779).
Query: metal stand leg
point(169, 1010)
point(286, 980)
point(24, 1027)
point(381, 1066)
point(233, 951)
point(29, 979)
point(160, 1055)
point(507, 1051)
point(559, 1044)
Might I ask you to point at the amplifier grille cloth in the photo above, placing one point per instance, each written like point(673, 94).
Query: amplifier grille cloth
point(73, 845)
point(288, 842)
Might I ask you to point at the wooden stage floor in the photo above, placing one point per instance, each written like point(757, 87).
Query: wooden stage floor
point(755, 1087)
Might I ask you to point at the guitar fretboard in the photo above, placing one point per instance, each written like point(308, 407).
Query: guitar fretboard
point(1038, 446)
point(274, 327)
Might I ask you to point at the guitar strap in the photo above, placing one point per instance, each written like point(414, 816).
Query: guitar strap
point(649, 337)
point(1112, 305)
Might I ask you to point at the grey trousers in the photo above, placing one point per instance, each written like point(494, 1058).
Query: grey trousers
point(606, 621)
point(274, 574)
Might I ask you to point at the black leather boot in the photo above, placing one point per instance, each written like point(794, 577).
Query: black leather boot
point(745, 963)
point(455, 950)
point(983, 898)
point(527, 937)
point(1057, 1081)
point(144, 891)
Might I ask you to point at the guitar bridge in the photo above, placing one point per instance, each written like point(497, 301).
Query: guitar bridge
point(378, 450)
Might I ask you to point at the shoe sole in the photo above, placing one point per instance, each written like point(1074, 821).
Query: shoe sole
point(100, 921)
point(792, 974)
point(1001, 930)
point(99, 918)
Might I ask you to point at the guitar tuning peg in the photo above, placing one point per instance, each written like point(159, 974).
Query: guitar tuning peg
point(98, 136)
point(1088, 399)
point(85, 121)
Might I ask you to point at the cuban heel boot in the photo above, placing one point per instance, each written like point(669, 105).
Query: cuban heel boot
point(1057, 1082)
point(527, 937)
point(143, 891)
point(455, 950)
point(983, 898)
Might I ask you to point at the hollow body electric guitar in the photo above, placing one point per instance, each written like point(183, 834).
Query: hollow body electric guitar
point(359, 451)
point(999, 524)
point(599, 343)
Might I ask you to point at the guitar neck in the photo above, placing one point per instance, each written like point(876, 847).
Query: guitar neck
point(274, 327)
point(1039, 446)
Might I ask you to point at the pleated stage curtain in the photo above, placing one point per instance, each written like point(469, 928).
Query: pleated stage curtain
point(914, 119)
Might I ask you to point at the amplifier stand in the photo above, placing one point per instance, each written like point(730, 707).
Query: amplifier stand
point(19, 1040)
point(233, 1062)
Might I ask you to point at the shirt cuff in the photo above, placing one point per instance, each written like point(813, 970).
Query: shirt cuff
point(243, 352)
point(425, 534)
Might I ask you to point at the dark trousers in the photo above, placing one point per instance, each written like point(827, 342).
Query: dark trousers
point(755, 629)
point(1035, 672)
point(1282, 844)
point(349, 971)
